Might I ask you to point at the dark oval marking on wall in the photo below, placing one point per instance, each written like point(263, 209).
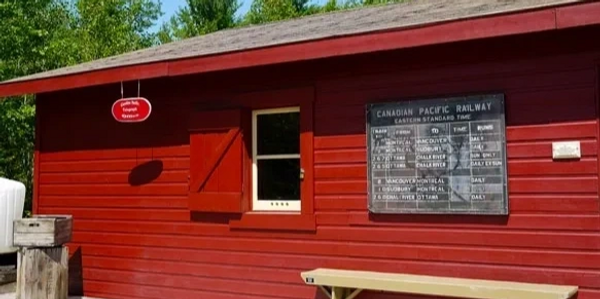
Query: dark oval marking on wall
point(145, 173)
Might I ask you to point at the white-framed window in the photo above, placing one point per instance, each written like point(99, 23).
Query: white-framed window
point(276, 171)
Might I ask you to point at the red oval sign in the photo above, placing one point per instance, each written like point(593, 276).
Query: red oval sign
point(130, 110)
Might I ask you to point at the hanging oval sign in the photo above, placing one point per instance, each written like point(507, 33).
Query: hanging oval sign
point(130, 110)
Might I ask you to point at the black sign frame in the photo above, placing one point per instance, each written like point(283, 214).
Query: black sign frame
point(498, 100)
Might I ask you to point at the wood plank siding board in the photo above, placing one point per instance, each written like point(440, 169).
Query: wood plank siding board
point(268, 261)
point(231, 272)
point(461, 234)
point(251, 260)
point(467, 266)
point(554, 234)
point(104, 201)
point(181, 163)
point(129, 194)
point(123, 177)
point(127, 153)
point(587, 278)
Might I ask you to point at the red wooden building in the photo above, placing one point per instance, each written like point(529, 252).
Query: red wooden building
point(194, 202)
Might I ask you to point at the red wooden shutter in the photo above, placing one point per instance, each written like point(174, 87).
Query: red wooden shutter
point(216, 162)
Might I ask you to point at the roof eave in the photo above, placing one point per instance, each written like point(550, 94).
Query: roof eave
point(556, 18)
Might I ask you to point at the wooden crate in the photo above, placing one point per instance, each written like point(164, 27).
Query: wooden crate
point(42, 231)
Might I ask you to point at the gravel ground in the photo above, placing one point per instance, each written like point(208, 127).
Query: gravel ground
point(7, 288)
point(7, 296)
point(7, 292)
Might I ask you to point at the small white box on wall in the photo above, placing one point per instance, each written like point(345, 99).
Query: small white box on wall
point(566, 150)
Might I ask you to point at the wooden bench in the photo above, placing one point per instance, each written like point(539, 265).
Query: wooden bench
point(346, 284)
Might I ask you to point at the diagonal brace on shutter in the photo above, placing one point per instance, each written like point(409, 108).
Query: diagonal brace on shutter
point(214, 159)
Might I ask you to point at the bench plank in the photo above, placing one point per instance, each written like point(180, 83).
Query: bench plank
point(435, 285)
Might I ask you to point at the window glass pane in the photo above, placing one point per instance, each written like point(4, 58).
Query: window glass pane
point(278, 133)
point(279, 179)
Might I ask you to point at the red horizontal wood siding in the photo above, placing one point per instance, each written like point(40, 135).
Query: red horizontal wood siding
point(126, 184)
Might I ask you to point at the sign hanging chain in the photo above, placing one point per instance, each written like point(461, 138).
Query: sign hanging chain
point(138, 93)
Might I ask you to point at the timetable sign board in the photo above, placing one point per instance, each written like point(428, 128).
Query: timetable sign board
point(438, 156)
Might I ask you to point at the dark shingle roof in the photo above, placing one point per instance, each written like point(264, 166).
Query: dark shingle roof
point(320, 26)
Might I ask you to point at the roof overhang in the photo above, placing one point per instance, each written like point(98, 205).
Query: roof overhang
point(540, 20)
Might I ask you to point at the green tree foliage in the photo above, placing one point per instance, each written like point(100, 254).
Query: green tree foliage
point(27, 45)
point(205, 16)
point(306, 7)
point(330, 5)
point(17, 119)
point(300, 5)
point(39, 35)
point(27, 27)
point(264, 11)
point(200, 17)
point(109, 27)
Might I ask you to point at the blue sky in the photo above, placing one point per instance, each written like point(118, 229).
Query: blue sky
point(169, 7)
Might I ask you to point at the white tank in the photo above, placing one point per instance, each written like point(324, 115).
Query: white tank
point(12, 202)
